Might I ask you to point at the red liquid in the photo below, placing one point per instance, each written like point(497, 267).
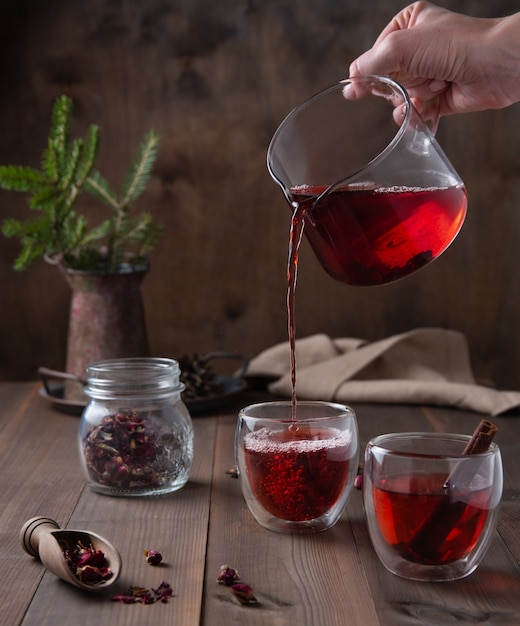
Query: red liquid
point(374, 236)
point(404, 504)
point(297, 474)
point(295, 237)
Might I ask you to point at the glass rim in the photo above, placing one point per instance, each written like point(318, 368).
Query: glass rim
point(133, 377)
point(341, 85)
point(379, 441)
point(338, 411)
point(148, 365)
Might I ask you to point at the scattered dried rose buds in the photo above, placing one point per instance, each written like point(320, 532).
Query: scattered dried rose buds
point(145, 596)
point(227, 575)
point(89, 565)
point(244, 593)
point(152, 557)
point(241, 591)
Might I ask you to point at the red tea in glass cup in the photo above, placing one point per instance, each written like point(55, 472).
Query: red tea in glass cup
point(378, 199)
point(297, 474)
point(431, 511)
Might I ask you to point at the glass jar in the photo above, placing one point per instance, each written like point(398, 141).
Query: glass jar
point(136, 434)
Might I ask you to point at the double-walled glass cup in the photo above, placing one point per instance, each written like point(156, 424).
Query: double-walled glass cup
point(380, 198)
point(297, 475)
point(431, 511)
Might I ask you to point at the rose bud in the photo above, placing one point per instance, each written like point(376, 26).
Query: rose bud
point(152, 557)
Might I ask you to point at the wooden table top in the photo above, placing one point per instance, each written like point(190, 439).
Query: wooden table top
point(327, 579)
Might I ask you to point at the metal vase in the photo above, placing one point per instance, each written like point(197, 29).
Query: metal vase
point(106, 319)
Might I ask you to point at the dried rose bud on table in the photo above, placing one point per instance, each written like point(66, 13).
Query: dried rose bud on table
point(241, 591)
point(227, 575)
point(244, 593)
point(152, 557)
point(142, 595)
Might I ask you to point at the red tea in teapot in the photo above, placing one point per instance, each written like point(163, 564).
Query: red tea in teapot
point(364, 236)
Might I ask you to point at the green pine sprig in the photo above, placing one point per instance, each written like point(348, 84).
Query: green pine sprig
point(142, 231)
point(67, 170)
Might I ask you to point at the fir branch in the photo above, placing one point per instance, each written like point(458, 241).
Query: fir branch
point(60, 131)
point(19, 178)
point(30, 234)
point(67, 169)
point(88, 156)
point(100, 188)
point(141, 169)
point(149, 240)
point(71, 165)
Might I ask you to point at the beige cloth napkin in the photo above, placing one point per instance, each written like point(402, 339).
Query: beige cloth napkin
point(422, 366)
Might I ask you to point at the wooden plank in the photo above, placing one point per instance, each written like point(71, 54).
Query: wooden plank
point(40, 476)
point(507, 439)
point(329, 579)
point(298, 579)
point(376, 419)
point(174, 524)
point(14, 397)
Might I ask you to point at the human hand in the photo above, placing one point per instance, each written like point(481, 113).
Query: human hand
point(448, 62)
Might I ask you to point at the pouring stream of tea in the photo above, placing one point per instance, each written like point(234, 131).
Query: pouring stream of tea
point(295, 238)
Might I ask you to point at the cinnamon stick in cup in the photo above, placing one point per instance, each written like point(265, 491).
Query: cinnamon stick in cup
point(481, 438)
point(434, 531)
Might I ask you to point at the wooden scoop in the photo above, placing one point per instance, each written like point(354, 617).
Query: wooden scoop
point(42, 538)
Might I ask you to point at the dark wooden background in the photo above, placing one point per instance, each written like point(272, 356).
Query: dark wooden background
point(215, 79)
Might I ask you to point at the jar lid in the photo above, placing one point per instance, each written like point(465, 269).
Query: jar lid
point(133, 377)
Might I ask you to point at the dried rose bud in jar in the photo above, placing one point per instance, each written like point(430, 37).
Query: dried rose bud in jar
point(136, 435)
